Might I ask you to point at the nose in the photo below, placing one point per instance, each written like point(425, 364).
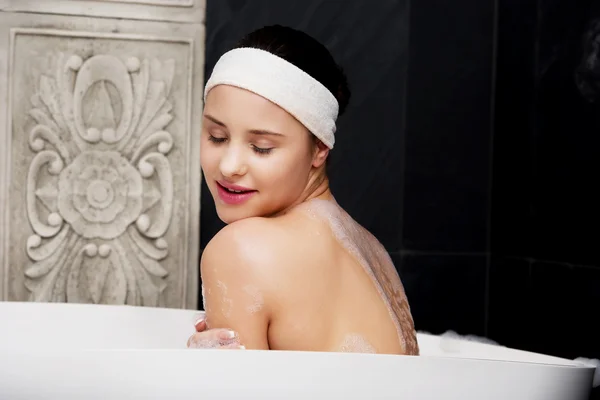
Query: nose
point(233, 162)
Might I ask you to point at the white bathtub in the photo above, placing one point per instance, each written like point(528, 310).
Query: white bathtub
point(71, 351)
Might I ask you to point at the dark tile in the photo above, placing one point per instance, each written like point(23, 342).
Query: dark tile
point(565, 206)
point(509, 297)
point(210, 223)
point(513, 127)
point(448, 130)
point(544, 199)
point(445, 292)
point(564, 305)
point(366, 165)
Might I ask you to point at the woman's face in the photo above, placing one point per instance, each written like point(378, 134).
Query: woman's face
point(256, 158)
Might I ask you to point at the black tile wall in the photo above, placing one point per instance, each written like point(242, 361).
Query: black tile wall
point(544, 157)
point(448, 126)
point(509, 302)
point(514, 123)
point(445, 292)
point(544, 283)
point(210, 223)
point(564, 304)
point(566, 158)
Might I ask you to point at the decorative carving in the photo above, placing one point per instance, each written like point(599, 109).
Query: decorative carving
point(124, 14)
point(101, 145)
point(99, 194)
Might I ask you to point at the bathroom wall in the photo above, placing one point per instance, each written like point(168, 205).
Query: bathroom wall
point(98, 176)
point(545, 271)
point(446, 180)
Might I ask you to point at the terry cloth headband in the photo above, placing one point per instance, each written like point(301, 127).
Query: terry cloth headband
point(282, 83)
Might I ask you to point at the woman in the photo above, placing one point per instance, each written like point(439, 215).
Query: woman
point(291, 270)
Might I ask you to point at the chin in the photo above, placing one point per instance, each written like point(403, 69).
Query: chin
point(226, 220)
point(229, 216)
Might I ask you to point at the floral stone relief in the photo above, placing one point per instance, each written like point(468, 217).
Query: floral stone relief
point(102, 143)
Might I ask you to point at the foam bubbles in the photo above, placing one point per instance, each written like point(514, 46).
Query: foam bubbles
point(203, 297)
point(203, 341)
point(450, 341)
point(227, 303)
point(355, 343)
point(256, 296)
point(470, 338)
point(594, 363)
point(376, 262)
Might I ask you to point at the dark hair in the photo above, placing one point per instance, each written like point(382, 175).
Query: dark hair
point(304, 52)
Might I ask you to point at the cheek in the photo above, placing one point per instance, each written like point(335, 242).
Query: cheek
point(209, 157)
point(286, 175)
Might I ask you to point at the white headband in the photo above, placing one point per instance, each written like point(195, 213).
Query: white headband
point(284, 84)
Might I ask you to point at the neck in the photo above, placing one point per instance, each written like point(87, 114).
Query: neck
point(317, 188)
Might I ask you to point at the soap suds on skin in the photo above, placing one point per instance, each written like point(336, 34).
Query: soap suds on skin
point(376, 262)
point(203, 298)
point(231, 341)
point(227, 302)
point(355, 343)
point(205, 304)
point(257, 299)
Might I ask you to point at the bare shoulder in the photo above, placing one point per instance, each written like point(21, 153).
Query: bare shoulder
point(246, 269)
point(247, 229)
point(240, 252)
point(263, 243)
point(250, 242)
point(237, 281)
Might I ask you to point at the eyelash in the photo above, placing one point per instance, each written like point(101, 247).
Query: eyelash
point(257, 150)
point(215, 140)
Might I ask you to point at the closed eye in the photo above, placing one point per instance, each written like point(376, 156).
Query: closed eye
point(261, 150)
point(216, 139)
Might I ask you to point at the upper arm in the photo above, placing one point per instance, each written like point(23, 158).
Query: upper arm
point(238, 284)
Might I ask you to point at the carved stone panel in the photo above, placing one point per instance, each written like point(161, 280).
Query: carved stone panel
point(99, 163)
point(172, 3)
point(156, 10)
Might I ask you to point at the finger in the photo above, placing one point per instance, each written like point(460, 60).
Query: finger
point(226, 335)
point(213, 338)
point(194, 343)
point(200, 325)
point(234, 346)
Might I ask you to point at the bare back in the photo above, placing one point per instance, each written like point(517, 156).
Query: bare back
point(344, 294)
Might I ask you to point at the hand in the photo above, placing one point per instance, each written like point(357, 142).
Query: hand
point(213, 338)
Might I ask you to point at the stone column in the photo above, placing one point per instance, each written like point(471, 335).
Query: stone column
point(100, 113)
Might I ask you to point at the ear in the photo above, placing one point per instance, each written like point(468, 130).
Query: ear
point(320, 154)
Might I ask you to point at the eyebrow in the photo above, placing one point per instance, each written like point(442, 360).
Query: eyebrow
point(216, 121)
point(252, 131)
point(263, 132)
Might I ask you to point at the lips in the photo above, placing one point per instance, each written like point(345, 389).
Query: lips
point(233, 194)
point(234, 188)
